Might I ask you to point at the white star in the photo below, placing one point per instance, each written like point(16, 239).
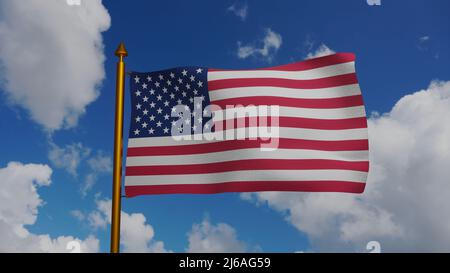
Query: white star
point(188, 86)
point(157, 84)
point(138, 93)
point(184, 94)
point(144, 85)
point(194, 127)
point(172, 75)
point(195, 92)
point(166, 103)
point(160, 77)
point(138, 119)
point(205, 112)
point(138, 106)
point(180, 80)
point(166, 130)
point(136, 132)
point(184, 72)
point(172, 95)
point(179, 101)
point(200, 119)
point(200, 84)
point(165, 90)
point(199, 70)
point(187, 121)
point(159, 110)
point(151, 131)
point(152, 118)
point(152, 105)
point(206, 126)
point(177, 88)
point(159, 97)
point(186, 108)
point(174, 123)
point(192, 78)
point(149, 78)
point(145, 99)
point(169, 82)
point(145, 112)
point(191, 99)
point(152, 92)
point(144, 125)
point(174, 109)
point(136, 79)
point(158, 124)
point(199, 105)
point(166, 116)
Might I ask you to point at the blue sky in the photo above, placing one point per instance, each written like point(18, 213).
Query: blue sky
point(401, 47)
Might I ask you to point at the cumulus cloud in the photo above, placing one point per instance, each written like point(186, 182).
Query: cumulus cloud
point(206, 237)
point(405, 205)
point(136, 235)
point(19, 205)
point(321, 51)
point(270, 45)
point(239, 9)
point(51, 57)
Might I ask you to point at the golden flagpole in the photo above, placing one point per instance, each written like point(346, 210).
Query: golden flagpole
point(121, 52)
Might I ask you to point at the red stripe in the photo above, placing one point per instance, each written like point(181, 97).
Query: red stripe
point(250, 164)
point(339, 80)
point(308, 64)
point(253, 186)
point(330, 103)
point(294, 122)
point(228, 145)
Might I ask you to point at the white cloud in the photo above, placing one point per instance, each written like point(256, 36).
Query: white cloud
point(270, 45)
point(19, 205)
point(97, 220)
point(424, 43)
point(405, 205)
point(135, 234)
point(321, 51)
point(51, 56)
point(99, 164)
point(424, 38)
point(240, 10)
point(72, 156)
point(206, 237)
point(78, 215)
point(68, 157)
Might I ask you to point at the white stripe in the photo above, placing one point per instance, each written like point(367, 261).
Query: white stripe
point(284, 132)
point(324, 93)
point(333, 113)
point(316, 73)
point(254, 175)
point(246, 154)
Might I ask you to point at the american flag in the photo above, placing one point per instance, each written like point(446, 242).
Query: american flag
point(322, 141)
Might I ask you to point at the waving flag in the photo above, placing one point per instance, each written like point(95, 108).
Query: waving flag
point(304, 128)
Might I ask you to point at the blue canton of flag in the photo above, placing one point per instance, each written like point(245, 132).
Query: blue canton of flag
point(155, 96)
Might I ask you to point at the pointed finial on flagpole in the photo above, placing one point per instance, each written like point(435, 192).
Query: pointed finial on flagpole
point(121, 51)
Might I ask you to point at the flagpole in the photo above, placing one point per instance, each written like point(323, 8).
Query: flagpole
point(121, 52)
